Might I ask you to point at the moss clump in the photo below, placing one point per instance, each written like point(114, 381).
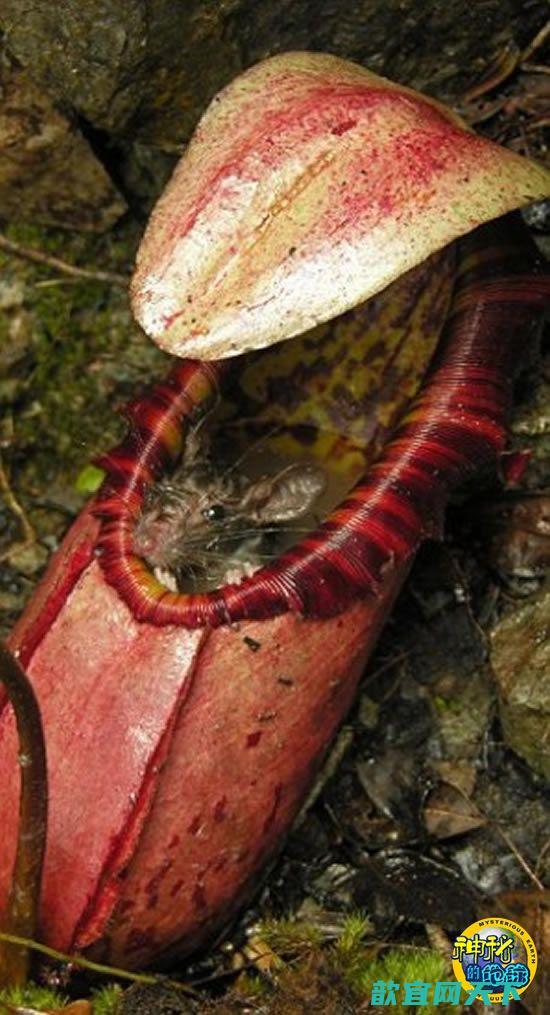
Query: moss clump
point(336, 976)
point(31, 996)
point(106, 1000)
point(289, 937)
point(400, 966)
point(83, 355)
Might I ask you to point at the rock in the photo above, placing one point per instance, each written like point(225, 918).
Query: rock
point(521, 663)
point(48, 172)
point(155, 63)
point(399, 884)
point(27, 558)
point(155, 999)
point(12, 293)
point(149, 67)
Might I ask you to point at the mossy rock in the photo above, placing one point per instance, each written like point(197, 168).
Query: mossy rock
point(521, 663)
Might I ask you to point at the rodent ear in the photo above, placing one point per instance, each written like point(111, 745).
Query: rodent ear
point(289, 495)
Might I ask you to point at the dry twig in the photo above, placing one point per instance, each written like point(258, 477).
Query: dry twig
point(95, 967)
point(536, 43)
point(27, 531)
point(520, 859)
point(39, 257)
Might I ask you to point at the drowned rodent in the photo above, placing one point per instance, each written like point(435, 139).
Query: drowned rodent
point(210, 526)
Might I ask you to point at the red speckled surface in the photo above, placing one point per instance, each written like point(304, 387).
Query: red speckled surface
point(308, 186)
point(210, 744)
point(250, 736)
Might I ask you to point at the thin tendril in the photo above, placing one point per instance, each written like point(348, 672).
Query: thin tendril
point(24, 898)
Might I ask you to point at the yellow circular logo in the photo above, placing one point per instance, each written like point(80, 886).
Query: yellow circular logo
point(497, 956)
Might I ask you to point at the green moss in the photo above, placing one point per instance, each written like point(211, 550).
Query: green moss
point(287, 937)
point(64, 383)
point(354, 961)
point(106, 1000)
point(84, 356)
point(400, 966)
point(354, 931)
point(31, 996)
point(252, 986)
point(447, 705)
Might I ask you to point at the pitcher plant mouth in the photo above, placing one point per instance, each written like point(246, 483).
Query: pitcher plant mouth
point(456, 426)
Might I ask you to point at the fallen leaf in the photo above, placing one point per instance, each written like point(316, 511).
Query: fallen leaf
point(448, 813)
